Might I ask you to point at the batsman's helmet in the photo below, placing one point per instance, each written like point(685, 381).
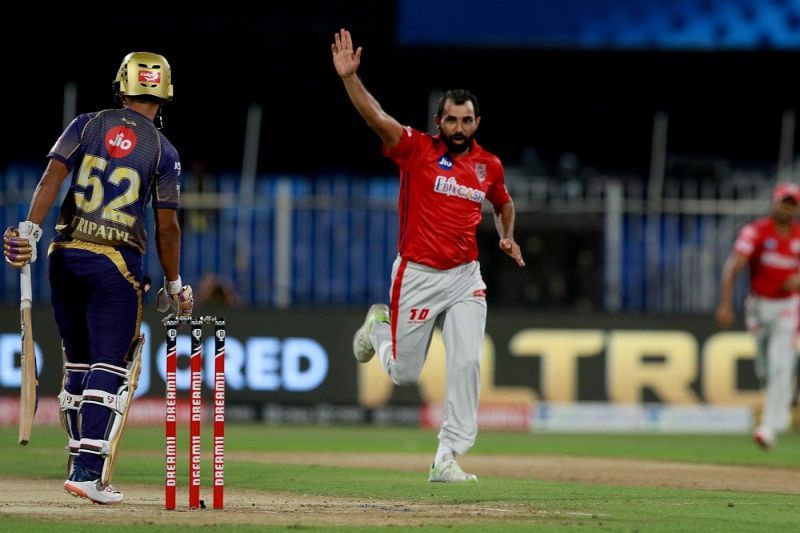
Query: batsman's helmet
point(144, 73)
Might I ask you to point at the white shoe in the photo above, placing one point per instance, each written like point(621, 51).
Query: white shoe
point(448, 471)
point(764, 438)
point(93, 490)
point(362, 346)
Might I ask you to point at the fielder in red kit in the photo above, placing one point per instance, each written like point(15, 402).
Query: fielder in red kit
point(770, 247)
point(444, 180)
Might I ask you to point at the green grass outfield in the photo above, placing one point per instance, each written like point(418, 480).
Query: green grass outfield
point(557, 505)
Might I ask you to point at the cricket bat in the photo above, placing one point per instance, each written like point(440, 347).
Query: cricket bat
point(29, 381)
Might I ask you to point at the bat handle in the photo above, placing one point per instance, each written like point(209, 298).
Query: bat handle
point(25, 286)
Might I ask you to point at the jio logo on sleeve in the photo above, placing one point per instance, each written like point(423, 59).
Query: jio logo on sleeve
point(120, 141)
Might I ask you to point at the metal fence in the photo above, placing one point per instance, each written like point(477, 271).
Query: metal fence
point(302, 241)
point(662, 252)
point(322, 241)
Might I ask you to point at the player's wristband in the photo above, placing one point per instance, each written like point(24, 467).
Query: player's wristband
point(173, 287)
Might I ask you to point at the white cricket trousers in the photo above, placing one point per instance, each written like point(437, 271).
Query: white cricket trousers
point(774, 323)
point(420, 295)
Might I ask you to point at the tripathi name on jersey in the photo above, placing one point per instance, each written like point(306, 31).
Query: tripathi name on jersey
point(450, 187)
point(94, 229)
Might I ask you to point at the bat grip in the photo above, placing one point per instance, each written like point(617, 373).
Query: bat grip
point(25, 287)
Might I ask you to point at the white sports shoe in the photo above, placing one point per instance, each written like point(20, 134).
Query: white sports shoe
point(448, 471)
point(80, 485)
point(764, 438)
point(362, 346)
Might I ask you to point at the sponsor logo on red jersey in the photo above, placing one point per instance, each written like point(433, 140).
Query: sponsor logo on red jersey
point(120, 141)
point(149, 76)
point(779, 260)
point(451, 187)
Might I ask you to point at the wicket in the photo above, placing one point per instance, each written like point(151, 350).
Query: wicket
point(195, 417)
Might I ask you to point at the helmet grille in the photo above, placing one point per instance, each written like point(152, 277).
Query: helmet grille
point(144, 73)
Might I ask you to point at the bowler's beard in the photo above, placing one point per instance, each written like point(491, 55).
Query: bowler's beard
point(454, 148)
point(782, 218)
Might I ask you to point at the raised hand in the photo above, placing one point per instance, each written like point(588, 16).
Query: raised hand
point(345, 60)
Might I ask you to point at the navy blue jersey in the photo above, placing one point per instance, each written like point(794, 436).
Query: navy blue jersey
point(121, 162)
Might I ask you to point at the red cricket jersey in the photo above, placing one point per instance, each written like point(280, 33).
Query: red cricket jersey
point(773, 257)
point(441, 196)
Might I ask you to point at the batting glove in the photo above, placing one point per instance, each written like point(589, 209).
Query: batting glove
point(175, 299)
point(19, 244)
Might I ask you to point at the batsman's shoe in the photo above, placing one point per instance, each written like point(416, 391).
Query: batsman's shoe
point(448, 471)
point(83, 484)
point(362, 346)
point(764, 439)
